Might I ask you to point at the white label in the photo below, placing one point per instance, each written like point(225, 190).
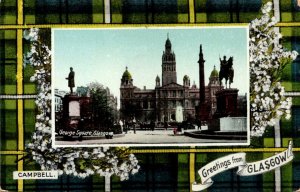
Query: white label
point(35, 175)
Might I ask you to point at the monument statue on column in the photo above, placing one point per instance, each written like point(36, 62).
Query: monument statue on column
point(71, 105)
point(70, 78)
point(226, 98)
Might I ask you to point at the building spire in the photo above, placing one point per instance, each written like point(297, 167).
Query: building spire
point(168, 45)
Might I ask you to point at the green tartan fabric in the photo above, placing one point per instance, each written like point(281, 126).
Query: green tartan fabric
point(150, 11)
point(214, 11)
point(8, 12)
point(8, 61)
point(8, 165)
point(63, 11)
point(159, 172)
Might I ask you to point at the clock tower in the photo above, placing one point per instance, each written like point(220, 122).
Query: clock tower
point(168, 64)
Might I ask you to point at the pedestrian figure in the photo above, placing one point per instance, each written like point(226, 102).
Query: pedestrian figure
point(179, 128)
point(175, 130)
point(125, 126)
point(165, 125)
point(152, 125)
point(121, 125)
point(133, 125)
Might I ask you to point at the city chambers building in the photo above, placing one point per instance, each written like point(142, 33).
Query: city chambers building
point(160, 103)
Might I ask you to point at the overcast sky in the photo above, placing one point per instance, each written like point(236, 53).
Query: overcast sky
point(102, 54)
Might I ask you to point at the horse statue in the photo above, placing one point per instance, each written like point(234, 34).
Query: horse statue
point(226, 71)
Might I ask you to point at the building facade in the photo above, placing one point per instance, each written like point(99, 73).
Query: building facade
point(161, 102)
point(59, 95)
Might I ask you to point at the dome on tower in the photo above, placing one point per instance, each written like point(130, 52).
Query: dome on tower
point(186, 81)
point(157, 78)
point(214, 72)
point(186, 78)
point(157, 81)
point(126, 74)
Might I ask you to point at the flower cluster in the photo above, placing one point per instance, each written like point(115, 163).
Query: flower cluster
point(80, 162)
point(267, 61)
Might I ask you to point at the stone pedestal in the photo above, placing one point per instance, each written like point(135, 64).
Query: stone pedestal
point(233, 124)
point(71, 115)
point(203, 112)
point(226, 103)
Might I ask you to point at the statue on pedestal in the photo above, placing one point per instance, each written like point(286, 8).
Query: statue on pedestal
point(226, 70)
point(70, 78)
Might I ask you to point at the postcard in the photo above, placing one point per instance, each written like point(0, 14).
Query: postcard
point(151, 86)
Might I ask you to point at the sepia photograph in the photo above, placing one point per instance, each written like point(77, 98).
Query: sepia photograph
point(141, 86)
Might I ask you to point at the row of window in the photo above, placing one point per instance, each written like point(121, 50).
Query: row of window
point(170, 104)
point(174, 93)
point(169, 67)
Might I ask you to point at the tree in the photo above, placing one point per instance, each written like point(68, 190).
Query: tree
point(103, 114)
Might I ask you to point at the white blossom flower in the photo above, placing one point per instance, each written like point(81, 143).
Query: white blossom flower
point(266, 55)
point(31, 34)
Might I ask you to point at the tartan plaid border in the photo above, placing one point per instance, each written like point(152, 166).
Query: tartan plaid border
point(197, 156)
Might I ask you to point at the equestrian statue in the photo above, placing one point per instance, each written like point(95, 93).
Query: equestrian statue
point(226, 71)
